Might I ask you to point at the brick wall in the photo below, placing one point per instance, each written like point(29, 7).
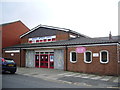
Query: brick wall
point(24, 40)
point(11, 33)
point(23, 57)
point(59, 36)
point(16, 57)
point(111, 68)
point(64, 36)
point(95, 67)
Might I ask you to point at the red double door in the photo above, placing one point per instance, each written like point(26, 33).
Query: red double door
point(44, 60)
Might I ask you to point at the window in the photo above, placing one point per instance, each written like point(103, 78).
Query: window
point(104, 56)
point(46, 52)
point(37, 41)
point(49, 40)
point(51, 52)
point(53, 39)
point(30, 41)
point(41, 41)
point(45, 40)
point(88, 57)
point(37, 52)
point(73, 57)
point(41, 52)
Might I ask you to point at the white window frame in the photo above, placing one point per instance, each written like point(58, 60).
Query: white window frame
point(101, 57)
point(71, 57)
point(85, 57)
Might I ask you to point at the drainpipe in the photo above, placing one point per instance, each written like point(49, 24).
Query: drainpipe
point(66, 57)
point(1, 50)
point(118, 72)
point(20, 57)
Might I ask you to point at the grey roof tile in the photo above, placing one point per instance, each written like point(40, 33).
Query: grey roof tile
point(75, 41)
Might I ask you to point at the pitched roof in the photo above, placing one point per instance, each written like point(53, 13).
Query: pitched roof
point(52, 28)
point(112, 38)
point(75, 41)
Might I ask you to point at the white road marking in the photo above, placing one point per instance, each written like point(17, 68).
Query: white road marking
point(78, 76)
point(95, 78)
point(85, 77)
point(65, 73)
point(116, 80)
point(106, 78)
point(71, 75)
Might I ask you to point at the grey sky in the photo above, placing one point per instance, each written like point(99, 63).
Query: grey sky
point(94, 18)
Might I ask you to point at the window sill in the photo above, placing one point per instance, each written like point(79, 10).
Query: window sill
point(87, 62)
point(73, 61)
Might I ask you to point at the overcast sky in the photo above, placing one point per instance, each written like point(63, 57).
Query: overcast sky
point(94, 18)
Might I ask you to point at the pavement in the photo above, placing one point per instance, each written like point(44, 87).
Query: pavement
point(71, 77)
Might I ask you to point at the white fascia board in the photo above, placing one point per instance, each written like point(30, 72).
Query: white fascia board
point(52, 27)
point(73, 46)
point(44, 50)
point(30, 31)
point(26, 33)
point(57, 47)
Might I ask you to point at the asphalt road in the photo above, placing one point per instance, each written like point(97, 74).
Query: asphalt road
point(22, 81)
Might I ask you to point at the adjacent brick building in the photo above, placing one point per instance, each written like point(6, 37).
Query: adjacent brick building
point(11, 32)
point(60, 48)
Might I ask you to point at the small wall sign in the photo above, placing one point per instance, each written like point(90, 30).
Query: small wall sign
point(95, 54)
point(80, 49)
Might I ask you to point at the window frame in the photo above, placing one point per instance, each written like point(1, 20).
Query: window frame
point(71, 57)
point(85, 57)
point(101, 57)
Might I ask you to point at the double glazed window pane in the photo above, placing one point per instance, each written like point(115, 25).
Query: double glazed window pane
point(88, 56)
point(73, 56)
point(104, 56)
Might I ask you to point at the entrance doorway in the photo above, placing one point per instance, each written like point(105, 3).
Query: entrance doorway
point(44, 59)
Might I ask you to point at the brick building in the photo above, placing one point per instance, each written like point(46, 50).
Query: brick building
point(60, 48)
point(11, 32)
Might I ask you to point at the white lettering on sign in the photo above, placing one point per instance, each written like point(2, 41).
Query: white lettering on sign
point(95, 54)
